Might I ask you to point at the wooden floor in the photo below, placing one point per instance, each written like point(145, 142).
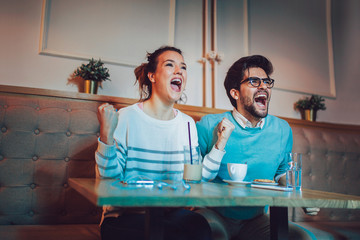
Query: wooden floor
point(50, 232)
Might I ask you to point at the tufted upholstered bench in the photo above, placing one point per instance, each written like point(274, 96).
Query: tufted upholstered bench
point(49, 136)
point(44, 141)
point(331, 162)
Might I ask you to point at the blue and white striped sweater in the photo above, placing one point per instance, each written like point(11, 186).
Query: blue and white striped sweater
point(146, 146)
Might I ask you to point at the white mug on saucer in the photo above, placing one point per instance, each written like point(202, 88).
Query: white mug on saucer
point(237, 171)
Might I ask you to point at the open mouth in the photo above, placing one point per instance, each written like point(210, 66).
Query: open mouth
point(176, 84)
point(261, 99)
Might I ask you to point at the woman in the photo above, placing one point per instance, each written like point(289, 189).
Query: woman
point(146, 140)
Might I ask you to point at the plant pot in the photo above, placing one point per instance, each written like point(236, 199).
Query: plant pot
point(91, 86)
point(310, 115)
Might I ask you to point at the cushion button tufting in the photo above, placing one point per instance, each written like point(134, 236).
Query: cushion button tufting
point(3, 129)
point(67, 159)
point(68, 134)
point(34, 158)
point(36, 131)
point(33, 186)
point(65, 185)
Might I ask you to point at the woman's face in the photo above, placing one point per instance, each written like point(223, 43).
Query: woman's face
point(169, 79)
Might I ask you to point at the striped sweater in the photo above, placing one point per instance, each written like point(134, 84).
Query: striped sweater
point(145, 147)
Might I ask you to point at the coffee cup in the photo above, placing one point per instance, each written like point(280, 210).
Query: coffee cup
point(237, 171)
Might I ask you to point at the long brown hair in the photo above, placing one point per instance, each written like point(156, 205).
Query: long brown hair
point(141, 72)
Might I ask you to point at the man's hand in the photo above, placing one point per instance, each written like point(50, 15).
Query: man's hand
point(282, 180)
point(108, 118)
point(311, 211)
point(224, 130)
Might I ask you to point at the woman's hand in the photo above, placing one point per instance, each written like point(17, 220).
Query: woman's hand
point(224, 130)
point(108, 118)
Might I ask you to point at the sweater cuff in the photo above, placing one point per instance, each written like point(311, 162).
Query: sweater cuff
point(105, 149)
point(216, 154)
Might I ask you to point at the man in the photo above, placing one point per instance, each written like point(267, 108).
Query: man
point(251, 136)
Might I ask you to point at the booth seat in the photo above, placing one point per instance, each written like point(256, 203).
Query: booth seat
point(331, 162)
point(48, 136)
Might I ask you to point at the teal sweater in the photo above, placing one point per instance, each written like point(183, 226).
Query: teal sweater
point(262, 149)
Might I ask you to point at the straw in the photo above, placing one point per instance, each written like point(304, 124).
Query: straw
point(191, 160)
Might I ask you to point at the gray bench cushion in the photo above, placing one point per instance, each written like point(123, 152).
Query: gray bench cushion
point(43, 142)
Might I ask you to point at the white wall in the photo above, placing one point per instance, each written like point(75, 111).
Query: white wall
point(21, 65)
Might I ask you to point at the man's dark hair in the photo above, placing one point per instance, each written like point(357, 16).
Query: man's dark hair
point(237, 71)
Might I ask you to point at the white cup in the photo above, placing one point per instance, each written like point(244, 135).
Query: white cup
point(237, 171)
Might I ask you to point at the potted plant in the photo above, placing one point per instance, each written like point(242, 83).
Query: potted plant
point(308, 107)
point(93, 73)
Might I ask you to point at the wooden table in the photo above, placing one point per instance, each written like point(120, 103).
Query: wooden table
point(207, 194)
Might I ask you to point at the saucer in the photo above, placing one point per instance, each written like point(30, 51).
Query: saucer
point(265, 183)
point(236, 183)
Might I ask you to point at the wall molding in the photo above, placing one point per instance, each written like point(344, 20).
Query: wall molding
point(331, 81)
point(195, 111)
point(44, 29)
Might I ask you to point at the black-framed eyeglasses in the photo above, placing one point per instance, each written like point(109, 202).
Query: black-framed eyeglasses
point(256, 82)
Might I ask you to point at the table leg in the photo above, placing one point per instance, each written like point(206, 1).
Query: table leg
point(279, 228)
point(154, 225)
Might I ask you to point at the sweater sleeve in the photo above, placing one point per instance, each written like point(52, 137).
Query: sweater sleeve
point(211, 164)
point(212, 156)
point(287, 141)
point(111, 159)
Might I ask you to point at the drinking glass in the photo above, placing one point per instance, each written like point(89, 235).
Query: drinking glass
point(192, 164)
point(293, 173)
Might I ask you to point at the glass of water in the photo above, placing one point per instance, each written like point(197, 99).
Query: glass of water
point(293, 173)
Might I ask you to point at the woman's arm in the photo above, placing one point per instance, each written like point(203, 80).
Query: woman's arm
point(110, 155)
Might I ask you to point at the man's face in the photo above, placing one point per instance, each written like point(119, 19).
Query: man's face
point(253, 102)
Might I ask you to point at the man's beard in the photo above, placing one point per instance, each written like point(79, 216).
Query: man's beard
point(250, 108)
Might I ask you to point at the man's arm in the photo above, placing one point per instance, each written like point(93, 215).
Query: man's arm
point(212, 159)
